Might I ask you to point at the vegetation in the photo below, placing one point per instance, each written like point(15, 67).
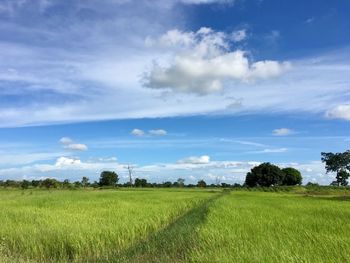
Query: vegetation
point(108, 178)
point(270, 227)
point(85, 226)
point(291, 176)
point(338, 163)
point(271, 218)
point(267, 174)
point(294, 224)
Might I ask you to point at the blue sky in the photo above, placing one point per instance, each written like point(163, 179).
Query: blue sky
point(198, 89)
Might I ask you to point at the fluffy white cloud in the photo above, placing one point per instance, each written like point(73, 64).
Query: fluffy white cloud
point(204, 159)
point(282, 132)
point(137, 132)
point(239, 35)
point(159, 132)
point(69, 145)
point(203, 61)
point(339, 112)
point(65, 161)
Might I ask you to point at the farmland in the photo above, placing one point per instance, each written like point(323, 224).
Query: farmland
point(173, 225)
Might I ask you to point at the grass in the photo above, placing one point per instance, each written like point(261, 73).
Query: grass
point(85, 226)
point(164, 225)
point(275, 227)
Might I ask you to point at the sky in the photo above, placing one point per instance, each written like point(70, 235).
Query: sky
point(193, 89)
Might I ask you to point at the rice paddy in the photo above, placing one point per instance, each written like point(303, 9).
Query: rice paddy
point(172, 225)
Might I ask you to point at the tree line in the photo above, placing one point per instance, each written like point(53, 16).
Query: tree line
point(263, 175)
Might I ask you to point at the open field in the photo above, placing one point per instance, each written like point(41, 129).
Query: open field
point(160, 225)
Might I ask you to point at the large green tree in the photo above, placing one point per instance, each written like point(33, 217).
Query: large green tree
point(108, 178)
point(338, 163)
point(265, 174)
point(291, 176)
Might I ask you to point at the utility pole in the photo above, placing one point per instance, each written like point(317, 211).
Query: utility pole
point(217, 180)
point(130, 169)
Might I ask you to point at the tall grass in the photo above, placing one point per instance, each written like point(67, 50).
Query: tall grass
point(275, 227)
point(84, 226)
point(165, 225)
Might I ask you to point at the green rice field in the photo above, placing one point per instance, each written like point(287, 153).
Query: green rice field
point(172, 225)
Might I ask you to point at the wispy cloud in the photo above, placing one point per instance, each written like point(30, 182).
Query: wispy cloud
point(53, 78)
point(270, 150)
point(137, 132)
point(159, 132)
point(339, 112)
point(204, 159)
point(282, 132)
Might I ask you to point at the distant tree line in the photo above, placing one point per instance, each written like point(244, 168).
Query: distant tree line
point(108, 179)
point(263, 175)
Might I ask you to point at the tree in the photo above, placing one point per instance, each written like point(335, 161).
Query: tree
point(77, 184)
point(25, 184)
point(85, 181)
point(202, 183)
point(140, 182)
point(338, 163)
point(342, 177)
point(167, 184)
point(108, 178)
point(66, 183)
point(265, 174)
point(291, 176)
point(50, 183)
point(181, 182)
point(36, 183)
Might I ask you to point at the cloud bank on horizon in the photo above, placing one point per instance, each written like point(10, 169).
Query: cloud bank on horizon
point(71, 62)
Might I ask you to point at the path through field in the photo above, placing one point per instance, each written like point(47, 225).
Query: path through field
point(175, 242)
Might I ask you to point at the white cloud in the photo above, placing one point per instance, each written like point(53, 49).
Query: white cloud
point(68, 82)
point(282, 132)
point(205, 61)
point(66, 140)
point(277, 150)
point(69, 144)
point(339, 112)
point(76, 147)
point(137, 132)
point(204, 159)
point(19, 158)
point(269, 150)
point(65, 161)
point(159, 132)
point(239, 35)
